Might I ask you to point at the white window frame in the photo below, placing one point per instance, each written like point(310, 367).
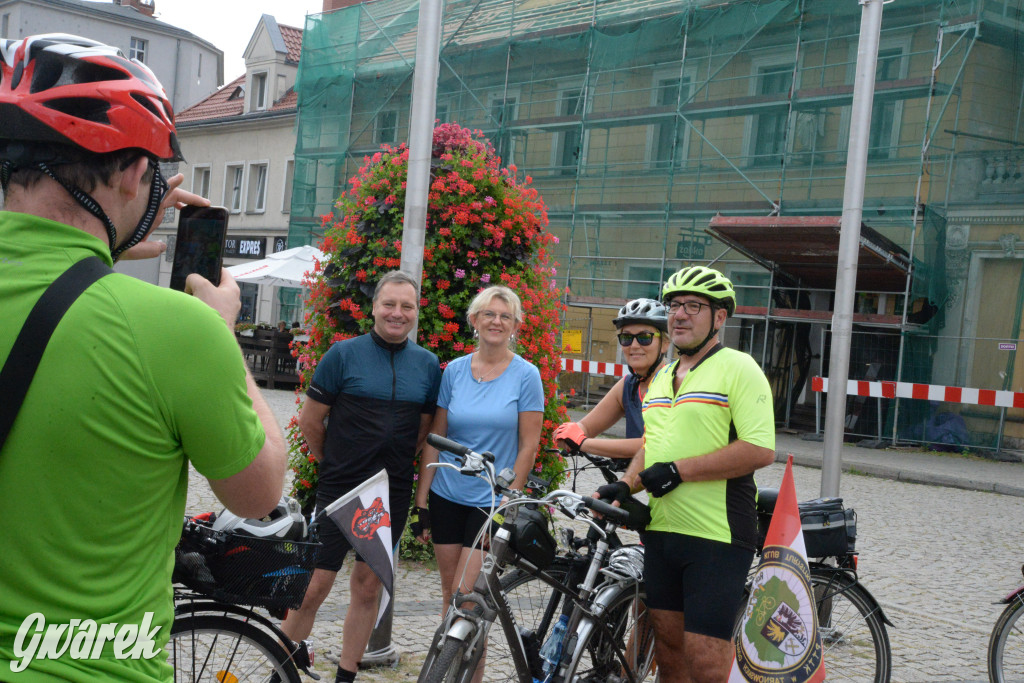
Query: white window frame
point(885, 44)
point(379, 129)
point(563, 93)
point(230, 170)
point(259, 96)
point(503, 97)
point(206, 172)
point(289, 181)
point(750, 125)
point(257, 183)
point(657, 78)
point(137, 48)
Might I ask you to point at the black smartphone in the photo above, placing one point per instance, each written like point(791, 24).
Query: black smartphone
point(199, 247)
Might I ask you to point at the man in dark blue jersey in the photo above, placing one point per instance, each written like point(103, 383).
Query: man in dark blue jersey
point(377, 393)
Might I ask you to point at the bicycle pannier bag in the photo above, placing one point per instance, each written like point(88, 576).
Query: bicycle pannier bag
point(531, 539)
point(829, 529)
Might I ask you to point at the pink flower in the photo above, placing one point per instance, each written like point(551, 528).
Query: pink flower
point(485, 278)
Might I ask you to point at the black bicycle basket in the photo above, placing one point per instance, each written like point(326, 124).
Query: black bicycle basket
point(242, 569)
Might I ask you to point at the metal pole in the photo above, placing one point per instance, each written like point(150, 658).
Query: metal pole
point(421, 138)
point(380, 651)
point(849, 243)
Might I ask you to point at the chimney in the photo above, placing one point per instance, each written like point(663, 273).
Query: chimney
point(147, 7)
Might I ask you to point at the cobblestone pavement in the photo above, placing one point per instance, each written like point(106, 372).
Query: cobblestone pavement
point(935, 557)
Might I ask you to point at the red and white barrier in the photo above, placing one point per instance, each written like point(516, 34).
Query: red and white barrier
point(594, 368)
point(928, 392)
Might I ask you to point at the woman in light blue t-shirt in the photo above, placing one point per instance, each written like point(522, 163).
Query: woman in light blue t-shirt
point(490, 400)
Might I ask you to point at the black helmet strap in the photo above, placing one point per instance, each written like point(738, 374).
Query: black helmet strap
point(697, 349)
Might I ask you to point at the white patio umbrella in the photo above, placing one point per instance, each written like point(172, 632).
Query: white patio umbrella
point(284, 269)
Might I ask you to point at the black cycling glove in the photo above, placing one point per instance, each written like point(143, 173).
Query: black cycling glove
point(660, 478)
point(419, 521)
point(617, 490)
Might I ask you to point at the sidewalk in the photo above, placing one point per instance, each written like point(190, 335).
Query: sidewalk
point(912, 466)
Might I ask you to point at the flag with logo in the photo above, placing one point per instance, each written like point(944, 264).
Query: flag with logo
point(364, 516)
point(778, 639)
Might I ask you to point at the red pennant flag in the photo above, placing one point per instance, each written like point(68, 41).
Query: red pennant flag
point(778, 640)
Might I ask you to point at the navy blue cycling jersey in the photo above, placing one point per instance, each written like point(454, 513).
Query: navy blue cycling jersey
point(377, 392)
point(633, 407)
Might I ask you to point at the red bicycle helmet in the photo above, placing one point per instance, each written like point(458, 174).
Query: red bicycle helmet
point(60, 91)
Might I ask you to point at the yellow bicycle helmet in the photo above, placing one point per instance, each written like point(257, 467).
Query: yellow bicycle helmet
point(704, 281)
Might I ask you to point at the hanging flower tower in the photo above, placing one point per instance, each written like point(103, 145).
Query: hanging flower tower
point(484, 226)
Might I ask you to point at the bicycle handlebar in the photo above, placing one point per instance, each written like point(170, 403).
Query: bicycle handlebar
point(443, 444)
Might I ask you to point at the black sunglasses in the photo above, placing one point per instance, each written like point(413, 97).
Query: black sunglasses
point(644, 338)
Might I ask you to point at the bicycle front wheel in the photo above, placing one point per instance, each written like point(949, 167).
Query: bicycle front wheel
point(450, 664)
point(1006, 645)
point(600, 656)
point(853, 635)
point(219, 648)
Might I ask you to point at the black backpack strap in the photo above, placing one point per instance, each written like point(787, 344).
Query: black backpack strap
point(17, 373)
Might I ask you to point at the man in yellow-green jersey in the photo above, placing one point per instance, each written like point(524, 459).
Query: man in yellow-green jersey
point(708, 425)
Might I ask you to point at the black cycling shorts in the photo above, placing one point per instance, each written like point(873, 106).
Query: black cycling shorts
point(453, 523)
point(336, 546)
point(701, 578)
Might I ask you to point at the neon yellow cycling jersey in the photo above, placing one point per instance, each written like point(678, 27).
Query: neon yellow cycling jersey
point(723, 398)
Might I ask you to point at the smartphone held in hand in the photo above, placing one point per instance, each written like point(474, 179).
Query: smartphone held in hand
point(199, 247)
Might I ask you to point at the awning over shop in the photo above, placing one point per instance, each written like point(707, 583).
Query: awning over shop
point(803, 251)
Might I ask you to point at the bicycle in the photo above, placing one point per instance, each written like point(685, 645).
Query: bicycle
point(850, 620)
point(216, 634)
point(601, 612)
point(1006, 644)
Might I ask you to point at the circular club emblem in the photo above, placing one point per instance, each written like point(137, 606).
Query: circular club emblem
point(777, 638)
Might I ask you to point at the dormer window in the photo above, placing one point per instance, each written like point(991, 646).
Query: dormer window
point(238, 93)
point(259, 91)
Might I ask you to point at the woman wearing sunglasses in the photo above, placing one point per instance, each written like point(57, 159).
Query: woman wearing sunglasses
point(643, 335)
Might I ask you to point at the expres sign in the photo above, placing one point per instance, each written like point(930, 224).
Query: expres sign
point(245, 247)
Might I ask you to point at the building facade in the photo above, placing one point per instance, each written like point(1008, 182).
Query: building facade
point(239, 147)
point(188, 67)
point(640, 121)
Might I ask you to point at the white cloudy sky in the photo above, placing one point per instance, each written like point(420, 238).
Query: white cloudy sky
point(229, 24)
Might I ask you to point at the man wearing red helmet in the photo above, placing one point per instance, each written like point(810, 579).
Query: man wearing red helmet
point(135, 381)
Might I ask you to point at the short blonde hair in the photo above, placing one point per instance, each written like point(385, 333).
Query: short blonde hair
point(484, 298)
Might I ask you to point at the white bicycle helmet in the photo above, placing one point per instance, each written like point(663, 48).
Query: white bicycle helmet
point(626, 563)
point(284, 523)
point(645, 311)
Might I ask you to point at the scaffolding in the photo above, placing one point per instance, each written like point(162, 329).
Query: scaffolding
point(640, 120)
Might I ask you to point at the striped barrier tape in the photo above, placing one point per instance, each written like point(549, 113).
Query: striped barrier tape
point(928, 392)
point(594, 368)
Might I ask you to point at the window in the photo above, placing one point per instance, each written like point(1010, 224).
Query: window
point(385, 128)
point(645, 281)
point(669, 139)
point(201, 181)
point(199, 69)
point(257, 193)
point(502, 114)
point(259, 92)
point(233, 187)
point(569, 144)
point(137, 49)
point(885, 114)
point(289, 178)
point(289, 303)
point(769, 130)
point(5, 25)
